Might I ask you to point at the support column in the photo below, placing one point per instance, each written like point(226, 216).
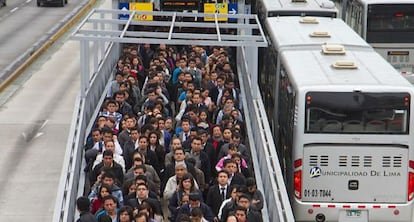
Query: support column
point(253, 67)
point(84, 61)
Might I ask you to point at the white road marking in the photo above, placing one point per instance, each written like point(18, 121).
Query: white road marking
point(13, 10)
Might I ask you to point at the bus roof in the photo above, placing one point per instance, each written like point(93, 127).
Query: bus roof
point(315, 70)
point(273, 8)
point(287, 32)
point(387, 2)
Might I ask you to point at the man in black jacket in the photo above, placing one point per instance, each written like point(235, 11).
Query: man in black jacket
point(82, 203)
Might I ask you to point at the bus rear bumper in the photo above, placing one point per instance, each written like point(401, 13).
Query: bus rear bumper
point(351, 212)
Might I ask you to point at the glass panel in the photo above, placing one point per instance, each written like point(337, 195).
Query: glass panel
point(391, 17)
point(357, 112)
point(389, 23)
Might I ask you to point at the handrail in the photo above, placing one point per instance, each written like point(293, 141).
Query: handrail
point(268, 168)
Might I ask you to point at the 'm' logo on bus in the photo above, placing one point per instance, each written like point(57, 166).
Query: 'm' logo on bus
point(315, 172)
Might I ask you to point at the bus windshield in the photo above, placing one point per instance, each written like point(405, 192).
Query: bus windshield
point(357, 112)
point(387, 23)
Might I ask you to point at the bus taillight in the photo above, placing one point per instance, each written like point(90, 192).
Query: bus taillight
point(298, 184)
point(411, 182)
point(399, 15)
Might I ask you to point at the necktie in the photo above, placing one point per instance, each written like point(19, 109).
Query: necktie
point(223, 193)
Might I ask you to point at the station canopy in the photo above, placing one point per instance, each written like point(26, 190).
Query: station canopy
point(171, 28)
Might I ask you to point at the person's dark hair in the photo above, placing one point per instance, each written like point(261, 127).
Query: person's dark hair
point(223, 171)
point(126, 185)
point(145, 128)
point(179, 148)
point(142, 137)
point(184, 218)
point(244, 196)
point(186, 177)
point(107, 130)
point(196, 138)
point(142, 184)
point(227, 161)
point(119, 92)
point(108, 188)
point(150, 90)
point(142, 214)
point(250, 181)
point(110, 101)
point(104, 169)
point(196, 212)
point(108, 153)
point(83, 204)
point(141, 177)
point(109, 197)
point(127, 209)
point(96, 129)
point(146, 206)
point(108, 174)
point(240, 208)
point(235, 134)
point(142, 166)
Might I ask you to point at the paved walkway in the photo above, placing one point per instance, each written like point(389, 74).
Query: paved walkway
point(35, 117)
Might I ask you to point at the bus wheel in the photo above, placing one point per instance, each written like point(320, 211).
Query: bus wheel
point(38, 3)
point(62, 4)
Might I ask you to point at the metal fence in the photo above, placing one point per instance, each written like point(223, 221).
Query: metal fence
point(87, 108)
point(268, 172)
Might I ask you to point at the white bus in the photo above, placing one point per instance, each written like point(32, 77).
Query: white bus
point(387, 25)
point(276, 8)
point(341, 120)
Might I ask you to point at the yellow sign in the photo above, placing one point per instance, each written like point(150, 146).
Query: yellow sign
point(141, 7)
point(212, 8)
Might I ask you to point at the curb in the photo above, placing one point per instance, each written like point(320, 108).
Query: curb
point(18, 66)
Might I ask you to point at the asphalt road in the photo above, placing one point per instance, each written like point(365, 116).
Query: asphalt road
point(35, 111)
point(22, 24)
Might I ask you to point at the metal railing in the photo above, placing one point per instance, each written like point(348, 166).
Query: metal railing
point(267, 171)
point(85, 111)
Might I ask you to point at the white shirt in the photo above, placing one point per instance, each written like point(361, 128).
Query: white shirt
point(118, 149)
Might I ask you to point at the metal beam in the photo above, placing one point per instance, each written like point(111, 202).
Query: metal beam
point(180, 31)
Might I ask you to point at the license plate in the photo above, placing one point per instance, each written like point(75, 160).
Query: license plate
point(353, 213)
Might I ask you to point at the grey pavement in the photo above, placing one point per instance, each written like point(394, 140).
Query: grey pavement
point(35, 118)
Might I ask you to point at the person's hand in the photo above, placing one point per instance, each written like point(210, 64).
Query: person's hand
point(255, 201)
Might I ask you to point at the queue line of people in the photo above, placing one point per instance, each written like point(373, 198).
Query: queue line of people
point(170, 135)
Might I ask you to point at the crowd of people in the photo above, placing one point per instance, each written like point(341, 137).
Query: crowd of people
point(170, 135)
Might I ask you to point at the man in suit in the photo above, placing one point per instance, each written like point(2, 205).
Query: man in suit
point(208, 148)
point(218, 192)
point(217, 91)
point(202, 160)
point(252, 215)
point(213, 81)
point(185, 130)
point(234, 178)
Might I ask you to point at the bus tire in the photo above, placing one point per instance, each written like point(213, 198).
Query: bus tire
point(38, 3)
point(62, 4)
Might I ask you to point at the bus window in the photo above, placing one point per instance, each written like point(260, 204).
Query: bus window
point(351, 112)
